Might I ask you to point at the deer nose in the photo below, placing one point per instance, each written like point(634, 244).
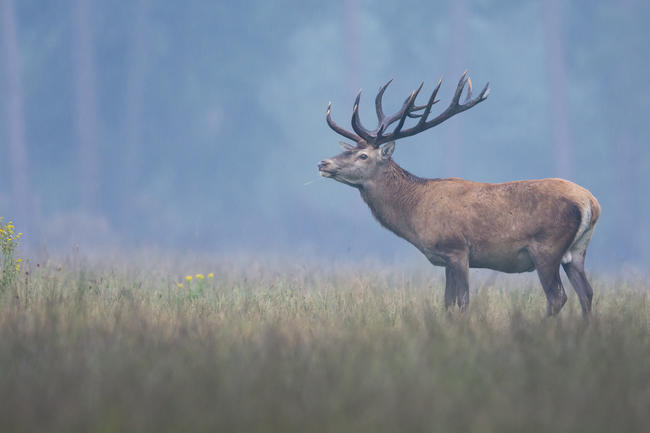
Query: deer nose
point(324, 163)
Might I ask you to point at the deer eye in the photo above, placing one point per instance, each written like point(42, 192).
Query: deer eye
point(363, 156)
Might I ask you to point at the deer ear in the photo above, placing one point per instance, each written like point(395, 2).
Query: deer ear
point(387, 149)
point(346, 146)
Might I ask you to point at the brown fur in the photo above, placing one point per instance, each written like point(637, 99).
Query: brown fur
point(495, 223)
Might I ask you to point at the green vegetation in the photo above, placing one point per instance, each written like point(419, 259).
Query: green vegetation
point(9, 263)
point(266, 348)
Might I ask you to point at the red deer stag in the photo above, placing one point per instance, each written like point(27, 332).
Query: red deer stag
point(510, 227)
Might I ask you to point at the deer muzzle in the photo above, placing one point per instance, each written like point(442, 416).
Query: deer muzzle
point(325, 168)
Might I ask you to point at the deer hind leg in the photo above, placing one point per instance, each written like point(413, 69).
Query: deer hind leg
point(576, 273)
point(457, 282)
point(575, 270)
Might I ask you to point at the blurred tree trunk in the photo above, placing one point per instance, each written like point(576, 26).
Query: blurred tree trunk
point(22, 202)
point(558, 89)
point(130, 160)
point(626, 166)
point(628, 154)
point(86, 111)
point(453, 148)
point(351, 42)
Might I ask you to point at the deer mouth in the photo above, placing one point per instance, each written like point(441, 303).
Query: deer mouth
point(326, 169)
point(327, 173)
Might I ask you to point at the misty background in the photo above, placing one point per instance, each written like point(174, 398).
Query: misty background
point(198, 125)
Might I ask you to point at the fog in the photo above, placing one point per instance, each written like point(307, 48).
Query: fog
point(198, 125)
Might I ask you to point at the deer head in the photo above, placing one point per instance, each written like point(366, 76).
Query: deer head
point(363, 161)
point(357, 164)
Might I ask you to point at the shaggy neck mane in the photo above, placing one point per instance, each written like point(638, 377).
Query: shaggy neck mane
point(392, 196)
point(397, 183)
point(396, 173)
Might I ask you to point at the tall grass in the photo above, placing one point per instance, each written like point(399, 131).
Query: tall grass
point(101, 348)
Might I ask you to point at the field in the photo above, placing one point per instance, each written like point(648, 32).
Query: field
point(271, 347)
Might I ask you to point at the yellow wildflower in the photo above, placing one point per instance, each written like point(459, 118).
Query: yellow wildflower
point(18, 267)
point(180, 285)
point(210, 275)
point(188, 278)
point(199, 276)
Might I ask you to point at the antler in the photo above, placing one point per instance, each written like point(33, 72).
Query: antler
point(377, 137)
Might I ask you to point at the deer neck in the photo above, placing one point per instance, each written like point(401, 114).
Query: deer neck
point(392, 197)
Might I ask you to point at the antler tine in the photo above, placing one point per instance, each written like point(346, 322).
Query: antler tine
point(417, 91)
point(459, 89)
point(412, 112)
point(485, 92)
point(406, 108)
point(470, 103)
point(380, 95)
point(432, 100)
point(338, 129)
point(356, 121)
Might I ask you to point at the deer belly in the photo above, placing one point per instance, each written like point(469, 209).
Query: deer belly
point(504, 260)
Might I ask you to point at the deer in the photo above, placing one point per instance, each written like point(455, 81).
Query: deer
point(512, 227)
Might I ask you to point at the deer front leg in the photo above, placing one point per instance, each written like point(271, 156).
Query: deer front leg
point(457, 281)
point(451, 294)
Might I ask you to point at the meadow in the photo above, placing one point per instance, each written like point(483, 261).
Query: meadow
point(268, 346)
